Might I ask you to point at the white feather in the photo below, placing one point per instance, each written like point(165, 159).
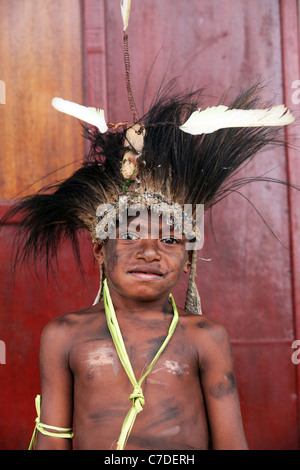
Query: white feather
point(221, 117)
point(125, 10)
point(92, 116)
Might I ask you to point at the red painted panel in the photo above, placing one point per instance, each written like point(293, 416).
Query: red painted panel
point(266, 381)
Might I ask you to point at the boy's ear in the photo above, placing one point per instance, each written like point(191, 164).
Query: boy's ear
point(188, 262)
point(99, 253)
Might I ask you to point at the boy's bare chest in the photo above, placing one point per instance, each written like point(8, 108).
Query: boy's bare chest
point(102, 387)
point(95, 358)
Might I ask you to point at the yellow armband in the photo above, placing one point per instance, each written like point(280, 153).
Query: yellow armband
point(54, 431)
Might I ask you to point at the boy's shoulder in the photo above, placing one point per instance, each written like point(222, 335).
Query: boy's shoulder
point(73, 321)
point(199, 321)
point(203, 328)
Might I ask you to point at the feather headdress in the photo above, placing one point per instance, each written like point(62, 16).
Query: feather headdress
point(173, 165)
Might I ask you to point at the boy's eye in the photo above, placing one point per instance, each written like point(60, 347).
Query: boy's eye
point(128, 236)
point(169, 241)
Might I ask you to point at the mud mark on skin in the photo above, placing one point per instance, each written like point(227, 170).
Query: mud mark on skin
point(224, 388)
point(173, 367)
point(167, 414)
point(103, 356)
point(111, 253)
point(203, 324)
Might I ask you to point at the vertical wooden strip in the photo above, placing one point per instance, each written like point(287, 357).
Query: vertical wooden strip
point(95, 49)
point(291, 73)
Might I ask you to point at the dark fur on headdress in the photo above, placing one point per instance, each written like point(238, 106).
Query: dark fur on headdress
point(185, 168)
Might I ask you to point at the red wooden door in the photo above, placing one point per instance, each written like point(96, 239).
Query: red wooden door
point(252, 282)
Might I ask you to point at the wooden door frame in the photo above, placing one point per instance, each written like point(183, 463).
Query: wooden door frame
point(290, 73)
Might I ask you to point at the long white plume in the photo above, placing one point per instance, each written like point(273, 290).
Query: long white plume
point(125, 11)
point(221, 117)
point(92, 116)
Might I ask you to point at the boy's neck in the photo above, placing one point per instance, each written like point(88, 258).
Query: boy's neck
point(124, 304)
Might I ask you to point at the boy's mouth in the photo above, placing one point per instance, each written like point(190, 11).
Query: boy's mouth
point(146, 273)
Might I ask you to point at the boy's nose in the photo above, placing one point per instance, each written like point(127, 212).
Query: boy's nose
point(148, 250)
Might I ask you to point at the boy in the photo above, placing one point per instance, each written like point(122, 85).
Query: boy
point(190, 394)
point(188, 398)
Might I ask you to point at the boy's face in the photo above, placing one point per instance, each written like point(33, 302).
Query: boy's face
point(139, 266)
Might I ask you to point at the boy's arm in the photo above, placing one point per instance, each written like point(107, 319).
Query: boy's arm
point(220, 392)
point(56, 392)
